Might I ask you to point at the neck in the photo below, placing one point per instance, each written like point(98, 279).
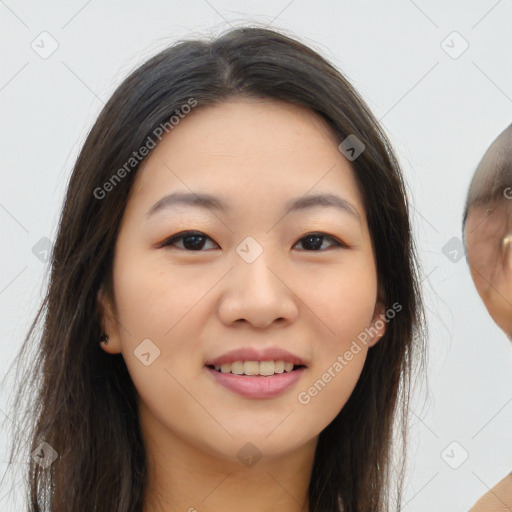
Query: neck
point(183, 477)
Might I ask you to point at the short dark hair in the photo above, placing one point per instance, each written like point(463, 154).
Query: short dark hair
point(493, 176)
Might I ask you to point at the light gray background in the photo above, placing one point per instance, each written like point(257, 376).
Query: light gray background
point(440, 112)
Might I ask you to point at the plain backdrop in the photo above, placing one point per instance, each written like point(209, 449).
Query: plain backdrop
point(438, 76)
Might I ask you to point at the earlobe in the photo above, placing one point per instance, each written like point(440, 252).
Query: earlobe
point(109, 340)
point(104, 343)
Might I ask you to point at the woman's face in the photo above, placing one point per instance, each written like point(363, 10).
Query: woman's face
point(249, 279)
point(488, 234)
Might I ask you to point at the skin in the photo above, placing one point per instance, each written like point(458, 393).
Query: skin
point(498, 499)
point(194, 305)
point(488, 234)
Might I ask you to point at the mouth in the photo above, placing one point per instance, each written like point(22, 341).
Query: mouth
point(256, 368)
point(257, 373)
point(261, 380)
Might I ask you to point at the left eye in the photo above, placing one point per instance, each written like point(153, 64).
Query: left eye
point(312, 239)
point(195, 241)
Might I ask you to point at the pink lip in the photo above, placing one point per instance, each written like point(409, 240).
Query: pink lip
point(252, 354)
point(257, 386)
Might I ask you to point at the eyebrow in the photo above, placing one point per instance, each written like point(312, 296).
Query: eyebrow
point(208, 201)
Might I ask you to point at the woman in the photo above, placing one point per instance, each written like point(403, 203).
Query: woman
point(487, 230)
point(234, 307)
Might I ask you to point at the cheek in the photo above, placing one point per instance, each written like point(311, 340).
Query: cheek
point(155, 300)
point(162, 307)
point(329, 388)
point(344, 300)
point(152, 313)
point(346, 306)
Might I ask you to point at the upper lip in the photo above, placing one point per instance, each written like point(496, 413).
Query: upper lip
point(253, 354)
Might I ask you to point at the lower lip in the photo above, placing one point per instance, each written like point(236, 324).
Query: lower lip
point(257, 386)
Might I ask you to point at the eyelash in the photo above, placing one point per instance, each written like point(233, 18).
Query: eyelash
point(170, 241)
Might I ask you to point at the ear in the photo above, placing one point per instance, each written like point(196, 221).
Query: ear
point(507, 251)
point(378, 325)
point(109, 325)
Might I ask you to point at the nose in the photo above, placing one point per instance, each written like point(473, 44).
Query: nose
point(258, 293)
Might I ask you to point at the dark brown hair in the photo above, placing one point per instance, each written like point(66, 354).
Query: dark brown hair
point(84, 404)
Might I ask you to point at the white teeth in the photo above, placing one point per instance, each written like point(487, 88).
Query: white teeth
point(237, 368)
point(265, 368)
point(251, 367)
point(278, 366)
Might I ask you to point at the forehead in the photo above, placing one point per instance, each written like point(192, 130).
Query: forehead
point(250, 129)
point(257, 150)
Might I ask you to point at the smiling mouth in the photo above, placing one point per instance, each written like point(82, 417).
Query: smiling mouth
point(256, 368)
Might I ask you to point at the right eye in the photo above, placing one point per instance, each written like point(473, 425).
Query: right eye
point(192, 241)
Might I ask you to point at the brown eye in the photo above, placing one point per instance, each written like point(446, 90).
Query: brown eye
point(192, 241)
point(314, 241)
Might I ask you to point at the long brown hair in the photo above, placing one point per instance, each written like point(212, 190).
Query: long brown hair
point(83, 400)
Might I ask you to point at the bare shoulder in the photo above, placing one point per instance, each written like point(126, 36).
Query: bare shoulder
point(498, 499)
